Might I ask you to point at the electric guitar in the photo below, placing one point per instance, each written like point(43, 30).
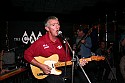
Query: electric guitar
point(52, 62)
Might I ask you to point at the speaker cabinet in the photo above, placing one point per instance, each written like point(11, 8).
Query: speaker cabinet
point(8, 58)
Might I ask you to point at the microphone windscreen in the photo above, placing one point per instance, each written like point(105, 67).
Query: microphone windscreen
point(59, 32)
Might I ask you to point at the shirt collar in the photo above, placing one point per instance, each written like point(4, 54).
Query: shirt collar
point(48, 39)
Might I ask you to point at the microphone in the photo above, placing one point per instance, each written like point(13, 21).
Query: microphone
point(60, 34)
point(63, 37)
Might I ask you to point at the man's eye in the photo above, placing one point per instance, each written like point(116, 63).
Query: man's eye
point(53, 24)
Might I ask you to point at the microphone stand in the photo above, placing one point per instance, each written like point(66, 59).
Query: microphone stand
point(75, 58)
point(83, 69)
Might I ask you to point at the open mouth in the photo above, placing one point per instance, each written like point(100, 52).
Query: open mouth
point(57, 31)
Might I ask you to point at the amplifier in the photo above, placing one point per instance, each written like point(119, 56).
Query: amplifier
point(8, 58)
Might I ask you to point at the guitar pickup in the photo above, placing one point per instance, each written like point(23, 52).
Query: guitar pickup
point(39, 74)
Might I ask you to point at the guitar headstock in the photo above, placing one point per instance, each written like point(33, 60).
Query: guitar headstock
point(97, 58)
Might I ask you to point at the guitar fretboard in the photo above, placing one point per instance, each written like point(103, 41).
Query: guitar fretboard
point(60, 64)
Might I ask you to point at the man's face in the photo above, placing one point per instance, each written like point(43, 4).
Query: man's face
point(102, 45)
point(80, 33)
point(53, 27)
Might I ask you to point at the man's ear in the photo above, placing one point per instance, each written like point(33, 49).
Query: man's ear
point(47, 28)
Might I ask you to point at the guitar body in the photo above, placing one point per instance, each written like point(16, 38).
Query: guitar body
point(50, 61)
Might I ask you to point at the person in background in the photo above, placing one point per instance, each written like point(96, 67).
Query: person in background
point(102, 50)
point(104, 64)
point(83, 45)
point(48, 45)
point(122, 61)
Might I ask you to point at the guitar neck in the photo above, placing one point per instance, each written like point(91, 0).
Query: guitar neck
point(61, 64)
point(79, 43)
point(109, 48)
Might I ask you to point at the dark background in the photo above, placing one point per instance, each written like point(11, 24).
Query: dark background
point(16, 16)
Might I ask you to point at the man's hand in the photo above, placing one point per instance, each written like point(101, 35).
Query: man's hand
point(46, 69)
point(83, 41)
point(83, 62)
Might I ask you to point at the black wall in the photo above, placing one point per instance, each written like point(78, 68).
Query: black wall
point(16, 29)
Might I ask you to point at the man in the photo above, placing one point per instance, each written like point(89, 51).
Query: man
point(83, 47)
point(104, 65)
point(50, 44)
